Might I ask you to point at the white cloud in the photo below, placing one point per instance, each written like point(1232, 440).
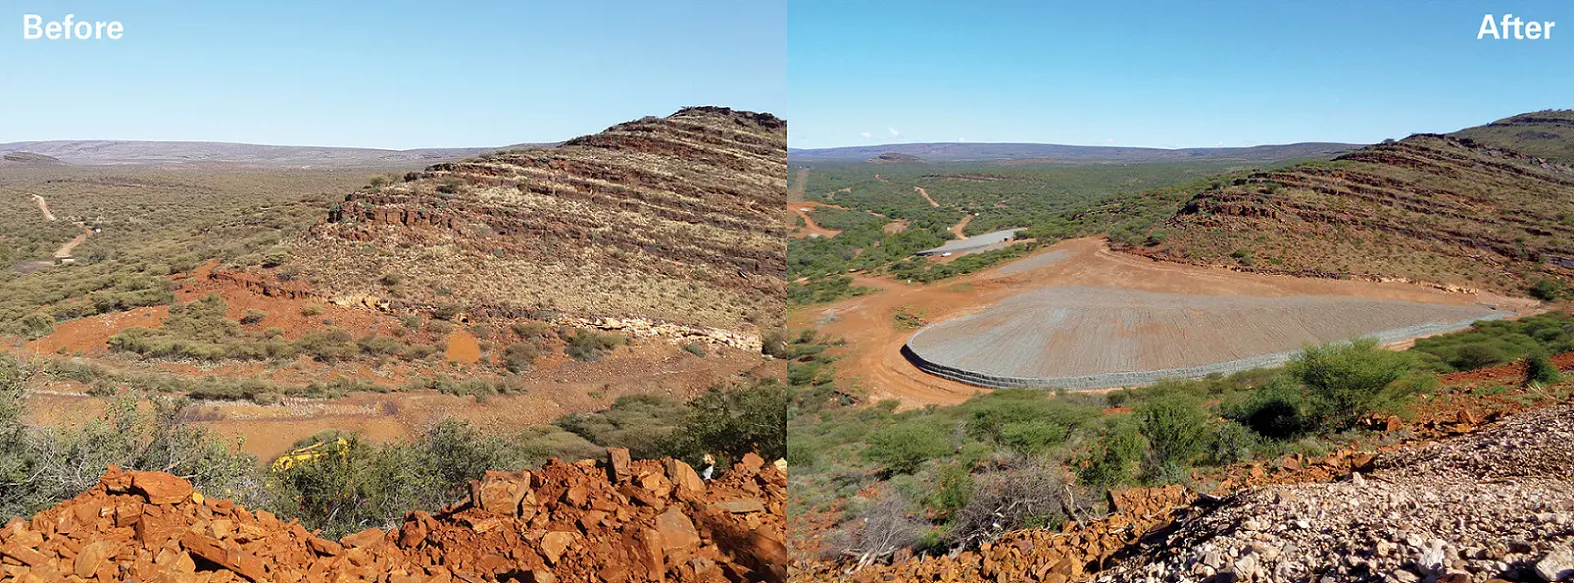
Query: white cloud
point(1109, 140)
point(866, 135)
point(894, 133)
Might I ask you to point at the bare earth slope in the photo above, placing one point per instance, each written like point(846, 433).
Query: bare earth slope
point(1495, 503)
point(675, 218)
point(1428, 208)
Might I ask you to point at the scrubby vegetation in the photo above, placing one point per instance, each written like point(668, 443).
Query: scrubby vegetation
point(1052, 201)
point(357, 485)
point(941, 475)
point(177, 220)
point(202, 330)
point(1494, 342)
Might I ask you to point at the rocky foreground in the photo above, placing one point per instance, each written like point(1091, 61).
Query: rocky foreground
point(1494, 504)
point(605, 522)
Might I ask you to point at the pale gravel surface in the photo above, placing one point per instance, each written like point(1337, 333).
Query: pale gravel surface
point(1495, 503)
point(1094, 337)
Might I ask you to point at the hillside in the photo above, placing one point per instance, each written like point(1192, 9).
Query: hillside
point(1429, 208)
point(675, 219)
point(1047, 153)
point(1549, 134)
point(28, 159)
point(134, 152)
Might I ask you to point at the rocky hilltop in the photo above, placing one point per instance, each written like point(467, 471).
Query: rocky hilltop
point(614, 522)
point(1434, 209)
point(674, 218)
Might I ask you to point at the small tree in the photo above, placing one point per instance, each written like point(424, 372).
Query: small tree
point(1176, 426)
point(1346, 381)
point(1539, 370)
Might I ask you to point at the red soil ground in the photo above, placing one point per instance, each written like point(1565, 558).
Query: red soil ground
point(555, 387)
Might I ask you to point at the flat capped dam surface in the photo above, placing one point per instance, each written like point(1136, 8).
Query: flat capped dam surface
point(1084, 337)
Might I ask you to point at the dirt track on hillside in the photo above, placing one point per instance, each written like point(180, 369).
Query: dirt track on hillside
point(921, 190)
point(43, 206)
point(872, 356)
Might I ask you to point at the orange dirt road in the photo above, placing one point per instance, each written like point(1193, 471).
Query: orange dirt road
point(872, 357)
point(957, 228)
point(810, 227)
point(921, 190)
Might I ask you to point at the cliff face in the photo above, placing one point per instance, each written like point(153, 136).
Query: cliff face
point(673, 218)
point(1428, 208)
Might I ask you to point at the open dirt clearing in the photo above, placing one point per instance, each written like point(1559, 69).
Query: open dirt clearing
point(1079, 337)
point(873, 356)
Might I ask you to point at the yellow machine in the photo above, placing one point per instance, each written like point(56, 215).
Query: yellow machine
point(310, 454)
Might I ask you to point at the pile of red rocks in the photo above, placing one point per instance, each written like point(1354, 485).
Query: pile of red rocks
point(613, 522)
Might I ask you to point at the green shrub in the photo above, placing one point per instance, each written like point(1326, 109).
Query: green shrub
point(952, 489)
point(37, 325)
point(903, 447)
point(521, 356)
point(695, 348)
point(1276, 410)
point(331, 345)
point(1547, 290)
point(446, 312)
point(1111, 463)
point(531, 329)
point(1347, 381)
point(253, 317)
point(1540, 370)
point(1177, 428)
point(1478, 355)
point(590, 345)
point(311, 311)
point(1032, 436)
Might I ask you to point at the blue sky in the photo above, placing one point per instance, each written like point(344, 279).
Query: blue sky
point(388, 74)
point(1161, 73)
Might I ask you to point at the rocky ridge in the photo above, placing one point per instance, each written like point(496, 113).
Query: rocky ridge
point(675, 218)
point(1429, 208)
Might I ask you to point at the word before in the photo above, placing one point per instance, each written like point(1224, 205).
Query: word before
point(34, 28)
point(1511, 27)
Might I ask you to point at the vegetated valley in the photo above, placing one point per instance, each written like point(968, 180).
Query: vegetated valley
point(342, 346)
point(1313, 469)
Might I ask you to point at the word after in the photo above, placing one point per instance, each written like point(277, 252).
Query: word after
point(34, 27)
point(1510, 27)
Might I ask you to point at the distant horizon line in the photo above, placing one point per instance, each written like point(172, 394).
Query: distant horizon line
point(275, 145)
point(1111, 146)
